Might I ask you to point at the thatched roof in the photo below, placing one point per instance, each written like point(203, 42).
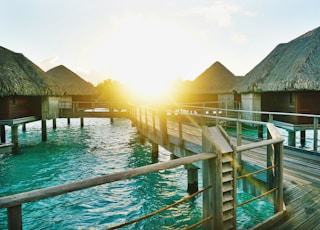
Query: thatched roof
point(20, 76)
point(293, 66)
point(216, 79)
point(71, 83)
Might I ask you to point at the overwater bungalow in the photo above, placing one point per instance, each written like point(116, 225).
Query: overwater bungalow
point(287, 80)
point(76, 89)
point(216, 84)
point(24, 88)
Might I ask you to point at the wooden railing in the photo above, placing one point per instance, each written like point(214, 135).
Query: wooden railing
point(181, 132)
point(14, 203)
point(184, 134)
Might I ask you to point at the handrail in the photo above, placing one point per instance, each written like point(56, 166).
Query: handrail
point(18, 199)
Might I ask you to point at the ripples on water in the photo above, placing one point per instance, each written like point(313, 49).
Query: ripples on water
point(73, 153)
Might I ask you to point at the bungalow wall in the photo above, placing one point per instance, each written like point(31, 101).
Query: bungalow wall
point(307, 102)
point(229, 101)
point(292, 102)
point(13, 107)
point(280, 102)
point(199, 98)
point(4, 108)
point(251, 102)
point(82, 99)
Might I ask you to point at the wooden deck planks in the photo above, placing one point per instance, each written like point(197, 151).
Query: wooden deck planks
point(301, 184)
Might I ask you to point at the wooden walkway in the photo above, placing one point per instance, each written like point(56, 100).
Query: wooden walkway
point(301, 180)
point(301, 188)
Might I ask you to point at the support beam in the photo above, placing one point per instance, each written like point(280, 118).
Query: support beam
point(81, 122)
point(54, 123)
point(292, 138)
point(303, 137)
point(155, 150)
point(2, 134)
point(14, 138)
point(44, 130)
point(68, 121)
point(192, 180)
point(24, 127)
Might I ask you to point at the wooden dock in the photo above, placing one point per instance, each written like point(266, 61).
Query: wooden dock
point(182, 135)
point(301, 174)
point(301, 189)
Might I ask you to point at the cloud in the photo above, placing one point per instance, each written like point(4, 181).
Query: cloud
point(221, 13)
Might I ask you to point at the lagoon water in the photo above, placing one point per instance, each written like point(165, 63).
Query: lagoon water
point(72, 153)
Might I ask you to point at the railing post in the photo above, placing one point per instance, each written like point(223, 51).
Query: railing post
point(315, 134)
point(209, 178)
point(154, 124)
point(278, 204)
point(270, 176)
point(163, 127)
point(14, 218)
point(180, 128)
point(146, 119)
point(239, 138)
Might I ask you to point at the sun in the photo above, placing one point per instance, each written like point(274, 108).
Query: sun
point(145, 53)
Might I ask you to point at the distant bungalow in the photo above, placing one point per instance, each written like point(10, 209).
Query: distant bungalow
point(287, 80)
point(29, 94)
point(76, 90)
point(216, 84)
point(24, 88)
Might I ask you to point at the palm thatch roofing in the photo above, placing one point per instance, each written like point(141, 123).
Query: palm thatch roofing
point(292, 66)
point(20, 76)
point(216, 79)
point(72, 83)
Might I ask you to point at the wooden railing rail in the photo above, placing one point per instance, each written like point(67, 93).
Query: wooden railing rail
point(13, 203)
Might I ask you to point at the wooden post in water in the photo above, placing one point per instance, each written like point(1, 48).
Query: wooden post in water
point(192, 179)
point(68, 121)
point(2, 134)
point(44, 129)
point(163, 127)
point(14, 138)
point(155, 150)
point(303, 137)
point(81, 122)
point(24, 127)
point(54, 123)
point(292, 138)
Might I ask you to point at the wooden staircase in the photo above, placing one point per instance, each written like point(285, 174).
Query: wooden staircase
point(215, 140)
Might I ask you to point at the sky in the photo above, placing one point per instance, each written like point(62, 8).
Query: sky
point(149, 42)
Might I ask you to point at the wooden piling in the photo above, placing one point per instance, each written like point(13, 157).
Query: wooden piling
point(155, 150)
point(68, 121)
point(192, 180)
point(81, 122)
point(24, 128)
point(303, 137)
point(44, 130)
point(14, 138)
point(292, 138)
point(54, 123)
point(2, 134)
point(163, 127)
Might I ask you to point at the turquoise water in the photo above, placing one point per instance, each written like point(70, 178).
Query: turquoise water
point(73, 153)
